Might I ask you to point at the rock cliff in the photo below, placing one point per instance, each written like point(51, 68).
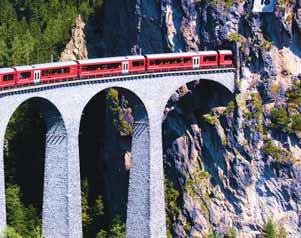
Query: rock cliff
point(232, 162)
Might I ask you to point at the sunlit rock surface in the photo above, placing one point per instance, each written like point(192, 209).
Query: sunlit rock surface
point(215, 154)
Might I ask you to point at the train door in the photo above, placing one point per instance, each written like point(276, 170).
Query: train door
point(125, 67)
point(37, 76)
point(196, 62)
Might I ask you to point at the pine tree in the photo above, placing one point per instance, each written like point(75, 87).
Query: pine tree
point(4, 54)
point(269, 230)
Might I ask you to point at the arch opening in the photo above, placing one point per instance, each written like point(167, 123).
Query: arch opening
point(106, 135)
point(24, 164)
point(195, 137)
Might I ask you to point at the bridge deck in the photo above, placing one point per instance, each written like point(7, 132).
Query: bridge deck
point(65, 83)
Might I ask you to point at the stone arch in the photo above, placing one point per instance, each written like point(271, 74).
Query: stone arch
point(226, 87)
point(137, 212)
point(54, 207)
point(186, 139)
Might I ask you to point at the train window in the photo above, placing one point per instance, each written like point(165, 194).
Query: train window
point(50, 72)
point(91, 67)
point(25, 75)
point(95, 67)
point(169, 61)
point(187, 60)
point(138, 63)
point(8, 77)
point(228, 57)
point(209, 58)
point(113, 66)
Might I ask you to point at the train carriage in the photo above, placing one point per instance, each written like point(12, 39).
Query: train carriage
point(172, 61)
point(181, 61)
point(208, 59)
point(225, 58)
point(7, 77)
point(111, 66)
point(24, 75)
point(101, 67)
point(55, 71)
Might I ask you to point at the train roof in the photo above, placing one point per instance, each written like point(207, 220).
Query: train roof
point(54, 65)
point(225, 51)
point(6, 70)
point(22, 68)
point(182, 54)
point(46, 65)
point(111, 59)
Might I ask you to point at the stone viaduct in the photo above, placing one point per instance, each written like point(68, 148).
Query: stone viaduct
point(63, 104)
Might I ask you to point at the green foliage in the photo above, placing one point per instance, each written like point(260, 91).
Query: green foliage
point(296, 125)
point(86, 219)
point(16, 216)
point(171, 201)
point(269, 230)
point(280, 119)
point(281, 233)
point(102, 234)
point(210, 119)
point(23, 216)
point(117, 113)
point(93, 212)
point(33, 30)
point(231, 233)
point(21, 220)
point(279, 154)
point(294, 94)
point(230, 108)
point(98, 207)
point(235, 37)
point(10, 232)
point(90, 212)
point(117, 229)
point(228, 3)
point(214, 235)
point(257, 104)
point(256, 111)
point(267, 44)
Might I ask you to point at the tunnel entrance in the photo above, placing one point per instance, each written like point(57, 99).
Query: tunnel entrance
point(105, 141)
point(194, 132)
point(24, 159)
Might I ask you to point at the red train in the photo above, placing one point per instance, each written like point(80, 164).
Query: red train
point(81, 69)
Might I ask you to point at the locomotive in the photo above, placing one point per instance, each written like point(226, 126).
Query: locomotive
point(104, 67)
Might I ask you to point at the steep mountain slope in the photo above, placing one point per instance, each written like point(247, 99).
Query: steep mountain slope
point(231, 161)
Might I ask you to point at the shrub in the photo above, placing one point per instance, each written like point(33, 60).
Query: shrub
point(235, 37)
point(279, 118)
point(294, 94)
point(210, 119)
point(269, 230)
point(296, 122)
point(231, 233)
point(230, 108)
point(118, 114)
point(276, 153)
point(11, 233)
point(171, 197)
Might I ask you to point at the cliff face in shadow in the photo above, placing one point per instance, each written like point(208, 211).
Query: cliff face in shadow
point(231, 161)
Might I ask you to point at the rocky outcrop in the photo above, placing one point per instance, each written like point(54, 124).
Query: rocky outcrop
point(233, 164)
point(76, 47)
point(231, 161)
